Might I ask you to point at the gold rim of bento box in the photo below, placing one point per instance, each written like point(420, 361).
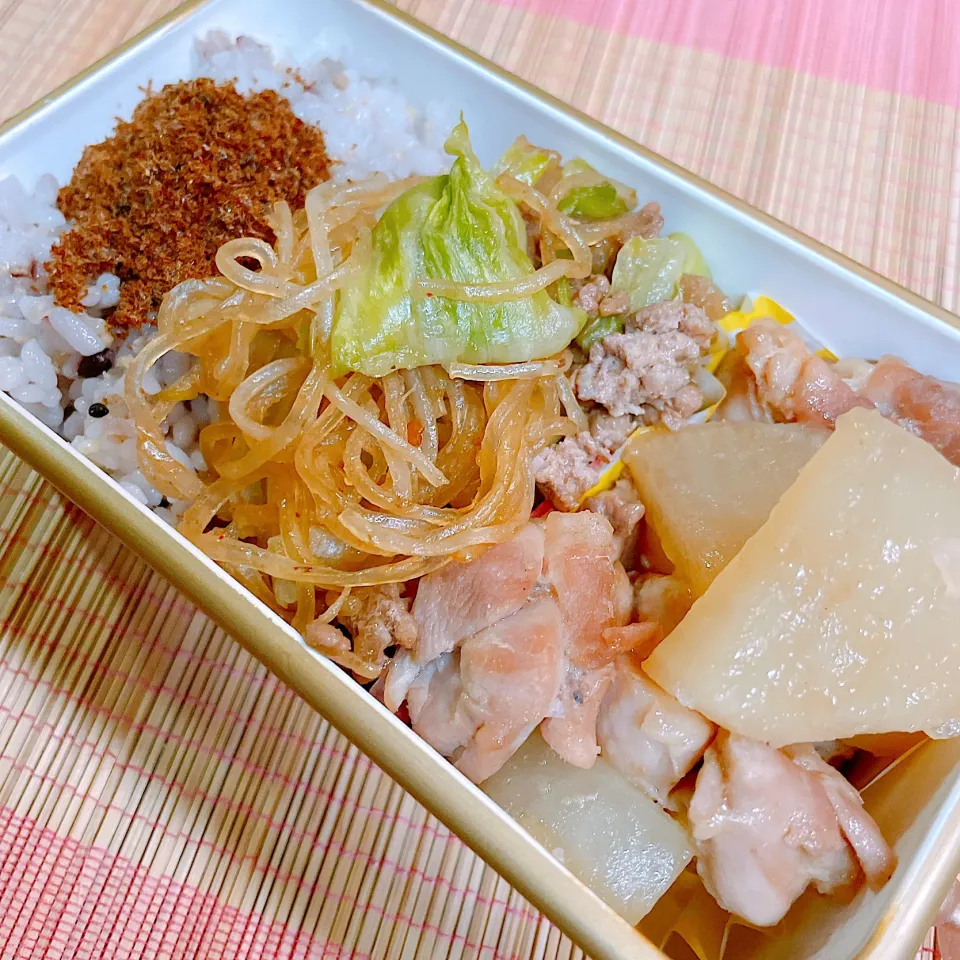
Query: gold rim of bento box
point(407, 759)
point(181, 12)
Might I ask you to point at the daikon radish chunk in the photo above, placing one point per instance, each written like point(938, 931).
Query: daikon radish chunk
point(707, 489)
point(606, 832)
point(838, 617)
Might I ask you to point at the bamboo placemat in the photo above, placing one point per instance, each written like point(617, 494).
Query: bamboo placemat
point(161, 795)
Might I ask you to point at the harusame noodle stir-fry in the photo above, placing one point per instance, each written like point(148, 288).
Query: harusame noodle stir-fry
point(321, 481)
point(424, 388)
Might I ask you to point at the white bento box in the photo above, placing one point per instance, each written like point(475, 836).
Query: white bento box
point(844, 306)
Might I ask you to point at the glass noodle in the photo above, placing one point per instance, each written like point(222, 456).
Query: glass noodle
point(315, 486)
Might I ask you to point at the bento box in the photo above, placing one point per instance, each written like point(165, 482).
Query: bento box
point(916, 803)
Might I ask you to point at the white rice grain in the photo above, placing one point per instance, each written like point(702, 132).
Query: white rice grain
point(368, 127)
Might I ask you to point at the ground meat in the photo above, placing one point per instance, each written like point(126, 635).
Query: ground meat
point(377, 618)
point(565, 472)
point(646, 222)
point(675, 316)
point(640, 376)
point(590, 294)
point(647, 371)
point(622, 507)
point(614, 303)
point(596, 300)
point(607, 433)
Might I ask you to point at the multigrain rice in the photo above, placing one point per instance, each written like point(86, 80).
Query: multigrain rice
point(368, 126)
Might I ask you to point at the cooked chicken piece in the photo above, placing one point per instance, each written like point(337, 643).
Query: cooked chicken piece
point(593, 593)
point(767, 827)
point(704, 293)
point(590, 584)
point(662, 599)
point(855, 372)
point(925, 405)
point(793, 381)
point(646, 734)
point(477, 704)
point(462, 598)
point(622, 507)
point(573, 733)
point(439, 711)
point(478, 761)
point(511, 674)
point(511, 671)
point(765, 830)
point(795, 384)
point(876, 858)
point(741, 403)
point(540, 648)
point(640, 639)
point(402, 671)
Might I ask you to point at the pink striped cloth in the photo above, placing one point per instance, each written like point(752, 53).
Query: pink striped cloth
point(907, 48)
point(161, 795)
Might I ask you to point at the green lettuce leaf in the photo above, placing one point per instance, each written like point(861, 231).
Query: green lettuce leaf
point(693, 259)
point(649, 270)
point(598, 329)
point(599, 202)
point(459, 227)
point(524, 161)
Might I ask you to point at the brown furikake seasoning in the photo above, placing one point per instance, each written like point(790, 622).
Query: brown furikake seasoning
point(197, 165)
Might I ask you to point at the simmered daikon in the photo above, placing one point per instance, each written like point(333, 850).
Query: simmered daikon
point(839, 616)
point(708, 488)
point(606, 832)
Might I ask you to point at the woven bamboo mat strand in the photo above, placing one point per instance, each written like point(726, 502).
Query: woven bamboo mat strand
point(160, 793)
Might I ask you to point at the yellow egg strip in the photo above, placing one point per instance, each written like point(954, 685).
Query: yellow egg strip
point(763, 307)
point(612, 474)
